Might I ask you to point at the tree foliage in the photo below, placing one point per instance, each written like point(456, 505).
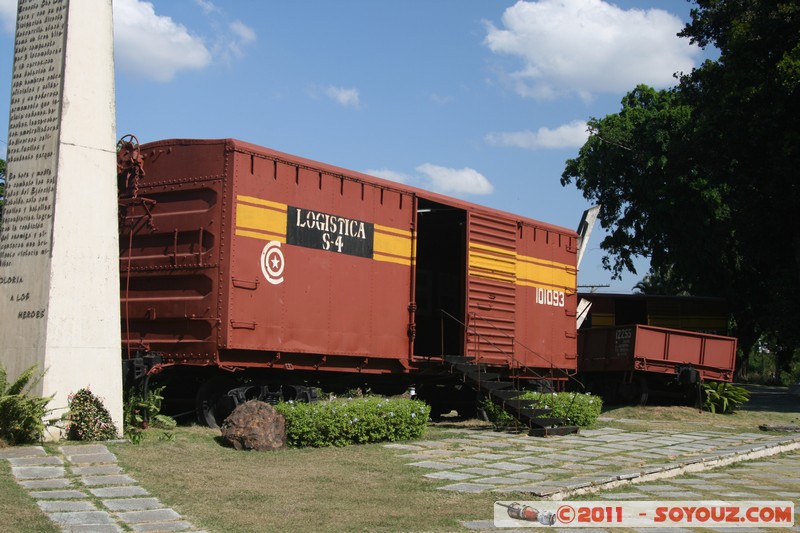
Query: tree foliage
point(702, 177)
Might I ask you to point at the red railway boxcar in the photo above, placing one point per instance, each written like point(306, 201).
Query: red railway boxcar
point(240, 258)
point(629, 347)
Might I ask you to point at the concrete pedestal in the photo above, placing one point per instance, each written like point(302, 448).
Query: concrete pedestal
point(59, 255)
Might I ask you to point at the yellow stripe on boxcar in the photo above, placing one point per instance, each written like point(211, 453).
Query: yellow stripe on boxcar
point(392, 245)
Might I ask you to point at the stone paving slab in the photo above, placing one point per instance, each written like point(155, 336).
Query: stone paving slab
point(489, 456)
point(66, 505)
point(92, 528)
point(498, 480)
point(36, 460)
point(509, 467)
point(483, 471)
point(464, 461)
point(54, 483)
point(161, 526)
point(132, 504)
point(433, 464)
point(452, 476)
point(154, 515)
point(530, 476)
point(96, 470)
point(37, 472)
point(468, 487)
point(23, 451)
point(83, 449)
point(58, 494)
point(118, 492)
point(92, 458)
point(95, 481)
point(82, 518)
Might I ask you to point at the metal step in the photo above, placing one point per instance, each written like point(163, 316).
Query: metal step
point(482, 376)
point(527, 412)
point(546, 422)
point(495, 385)
point(505, 395)
point(547, 432)
point(520, 404)
point(460, 359)
point(533, 413)
point(468, 368)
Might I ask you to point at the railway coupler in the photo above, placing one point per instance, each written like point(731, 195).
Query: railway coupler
point(272, 394)
point(135, 369)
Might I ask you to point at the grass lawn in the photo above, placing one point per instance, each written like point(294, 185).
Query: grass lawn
point(18, 512)
point(356, 488)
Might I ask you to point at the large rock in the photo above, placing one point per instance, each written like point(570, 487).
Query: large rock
point(255, 425)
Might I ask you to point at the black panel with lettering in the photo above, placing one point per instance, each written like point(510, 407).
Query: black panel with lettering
point(333, 233)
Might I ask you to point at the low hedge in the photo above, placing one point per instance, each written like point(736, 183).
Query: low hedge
point(353, 421)
point(580, 409)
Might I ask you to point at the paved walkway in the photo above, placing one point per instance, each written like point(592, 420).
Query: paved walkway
point(613, 464)
point(82, 489)
point(601, 459)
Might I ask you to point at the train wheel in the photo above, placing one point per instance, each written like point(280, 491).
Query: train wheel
point(212, 404)
point(636, 392)
point(644, 390)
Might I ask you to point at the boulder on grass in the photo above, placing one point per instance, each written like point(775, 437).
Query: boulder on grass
point(255, 425)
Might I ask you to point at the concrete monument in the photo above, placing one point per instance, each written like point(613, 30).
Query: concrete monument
point(59, 256)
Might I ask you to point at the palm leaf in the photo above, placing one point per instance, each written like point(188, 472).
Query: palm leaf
point(26, 381)
point(3, 380)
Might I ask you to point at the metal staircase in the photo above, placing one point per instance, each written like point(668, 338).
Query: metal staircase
point(528, 413)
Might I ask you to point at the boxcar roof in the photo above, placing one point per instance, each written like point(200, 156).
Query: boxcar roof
point(246, 147)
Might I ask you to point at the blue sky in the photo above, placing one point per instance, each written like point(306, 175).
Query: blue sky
point(482, 100)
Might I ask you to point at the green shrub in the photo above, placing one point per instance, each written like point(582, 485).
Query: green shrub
point(22, 415)
point(88, 419)
point(353, 421)
point(579, 409)
point(141, 411)
point(723, 398)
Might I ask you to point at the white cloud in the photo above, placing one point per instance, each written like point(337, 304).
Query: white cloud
point(391, 175)
point(588, 46)
point(572, 135)
point(244, 32)
point(207, 6)
point(229, 45)
point(345, 97)
point(455, 181)
point(8, 15)
point(154, 46)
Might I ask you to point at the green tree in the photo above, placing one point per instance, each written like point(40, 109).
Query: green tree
point(702, 177)
point(662, 282)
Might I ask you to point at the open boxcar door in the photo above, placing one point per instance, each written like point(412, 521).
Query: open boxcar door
point(491, 289)
point(440, 279)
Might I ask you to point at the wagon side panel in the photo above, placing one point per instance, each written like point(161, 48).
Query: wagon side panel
point(547, 298)
point(324, 263)
point(171, 251)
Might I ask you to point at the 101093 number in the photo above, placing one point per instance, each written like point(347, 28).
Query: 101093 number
point(548, 297)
